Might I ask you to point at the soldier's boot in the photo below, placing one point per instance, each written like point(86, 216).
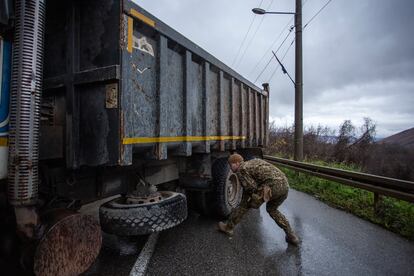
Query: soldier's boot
point(235, 217)
point(225, 228)
point(292, 239)
point(283, 223)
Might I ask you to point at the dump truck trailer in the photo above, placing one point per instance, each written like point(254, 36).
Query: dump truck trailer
point(101, 98)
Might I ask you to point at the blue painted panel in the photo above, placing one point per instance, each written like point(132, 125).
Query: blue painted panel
point(5, 55)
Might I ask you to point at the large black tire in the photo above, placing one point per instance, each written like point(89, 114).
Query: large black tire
point(218, 202)
point(227, 194)
point(117, 217)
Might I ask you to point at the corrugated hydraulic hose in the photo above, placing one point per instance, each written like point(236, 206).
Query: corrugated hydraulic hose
point(26, 86)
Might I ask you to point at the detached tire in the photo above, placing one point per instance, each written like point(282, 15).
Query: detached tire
point(117, 217)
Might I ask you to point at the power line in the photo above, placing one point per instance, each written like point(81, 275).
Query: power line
point(244, 40)
point(245, 36)
point(254, 35)
point(277, 67)
point(280, 46)
point(267, 64)
point(316, 14)
point(283, 68)
point(271, 46)
point(274, 42)
point(310, 20)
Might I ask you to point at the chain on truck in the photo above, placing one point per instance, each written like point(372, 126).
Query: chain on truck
point(100, 99)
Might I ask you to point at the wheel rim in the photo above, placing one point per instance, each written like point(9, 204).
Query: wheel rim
point(154, 199)
point(233, 190)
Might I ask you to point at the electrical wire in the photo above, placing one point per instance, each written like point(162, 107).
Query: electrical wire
point(245, 36)
point(283, 68)
point(272, 57)
point(316, 14)
point(278, 65)
point(271, 45)
point(274, 42)
point(307, 24)
point(253, 36)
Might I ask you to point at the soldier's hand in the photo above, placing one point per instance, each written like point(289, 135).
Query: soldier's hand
point(267, 193)
point(256, 200)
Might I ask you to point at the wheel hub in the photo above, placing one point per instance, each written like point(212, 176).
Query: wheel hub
point(233, 189)
point(152, 198)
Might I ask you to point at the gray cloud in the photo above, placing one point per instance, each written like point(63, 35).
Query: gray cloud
point(358, 55)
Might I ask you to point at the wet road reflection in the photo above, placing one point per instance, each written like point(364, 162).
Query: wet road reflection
point(333, 242)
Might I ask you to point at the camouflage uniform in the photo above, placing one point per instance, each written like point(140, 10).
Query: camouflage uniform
point(253, 176)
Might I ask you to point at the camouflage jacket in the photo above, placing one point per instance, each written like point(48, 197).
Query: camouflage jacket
point(255, 173)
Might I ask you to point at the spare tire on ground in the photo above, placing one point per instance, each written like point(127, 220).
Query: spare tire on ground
point(123, 219)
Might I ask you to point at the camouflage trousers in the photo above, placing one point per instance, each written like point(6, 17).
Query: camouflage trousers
point(279, 194)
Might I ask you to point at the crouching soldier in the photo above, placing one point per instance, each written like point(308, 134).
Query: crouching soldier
point(261, 182)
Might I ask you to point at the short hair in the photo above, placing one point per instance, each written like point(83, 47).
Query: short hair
point(235, 158)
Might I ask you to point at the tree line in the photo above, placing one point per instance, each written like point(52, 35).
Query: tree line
point(350, 144)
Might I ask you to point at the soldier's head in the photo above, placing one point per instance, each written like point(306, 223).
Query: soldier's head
point(234, 161)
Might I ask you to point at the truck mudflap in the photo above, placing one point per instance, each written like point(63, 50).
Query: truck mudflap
point(5, 72)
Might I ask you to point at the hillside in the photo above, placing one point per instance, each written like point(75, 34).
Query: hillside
point(404, 138)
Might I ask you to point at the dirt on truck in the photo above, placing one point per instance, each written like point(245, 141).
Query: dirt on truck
point(100, 98)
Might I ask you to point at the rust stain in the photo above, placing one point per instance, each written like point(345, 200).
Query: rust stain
point(69, 246)
point(111, 91)
point(122, 31)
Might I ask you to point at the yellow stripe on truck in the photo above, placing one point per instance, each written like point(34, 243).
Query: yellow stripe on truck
point(146, 140)
point(142, 17)
point(4, 142)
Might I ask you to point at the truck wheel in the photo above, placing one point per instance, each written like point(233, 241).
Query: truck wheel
point(227, 189)
point(123, 219)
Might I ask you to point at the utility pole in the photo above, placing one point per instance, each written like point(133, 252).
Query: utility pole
point(298, 139)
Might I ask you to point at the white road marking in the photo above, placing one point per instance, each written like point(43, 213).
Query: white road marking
point(144, 257)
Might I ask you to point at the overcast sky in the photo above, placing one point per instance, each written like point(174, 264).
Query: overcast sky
point(358, 54)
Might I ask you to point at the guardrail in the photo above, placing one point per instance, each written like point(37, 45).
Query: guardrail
point(379, 185)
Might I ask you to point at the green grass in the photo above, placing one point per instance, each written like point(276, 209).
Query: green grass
point(393, 214)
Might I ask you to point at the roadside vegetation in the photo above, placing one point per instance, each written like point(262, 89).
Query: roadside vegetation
point(351, 149)
point(393, 214)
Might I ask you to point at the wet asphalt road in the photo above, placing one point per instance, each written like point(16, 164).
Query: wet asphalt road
point(333, 243)
point(118, 254)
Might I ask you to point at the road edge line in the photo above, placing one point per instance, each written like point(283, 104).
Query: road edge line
point(141, 264)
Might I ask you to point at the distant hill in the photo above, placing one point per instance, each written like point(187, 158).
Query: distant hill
point(404, 138)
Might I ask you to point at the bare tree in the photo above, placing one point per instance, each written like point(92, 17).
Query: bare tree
point(360, 149)
point(352, 145)
point(345, 138)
